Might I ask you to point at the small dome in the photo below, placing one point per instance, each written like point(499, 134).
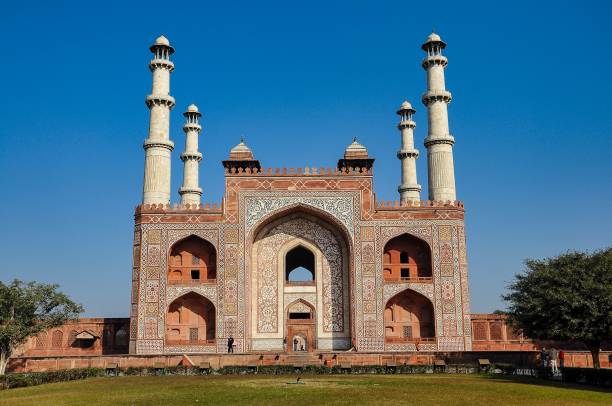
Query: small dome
point(433, 37)
point(161, 40)
point(355, 150)
point(406, 105)
point(241, 151)
point(192, 108)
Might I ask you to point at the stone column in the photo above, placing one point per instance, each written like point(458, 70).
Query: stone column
point(190, 191)
point(439, 141)
point(157, 146)
point(409, 189)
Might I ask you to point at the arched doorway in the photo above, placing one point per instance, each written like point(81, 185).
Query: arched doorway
point(407, 258)
point(300, 327)
point(299, 242)
point(409, 317)
point(190, 320)
point(192, 260)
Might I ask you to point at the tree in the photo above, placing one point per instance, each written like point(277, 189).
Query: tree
point(27, 309)
point(565, 298)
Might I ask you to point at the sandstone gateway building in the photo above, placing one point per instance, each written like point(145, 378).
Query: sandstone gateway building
point(294, 262)
point(375, 277)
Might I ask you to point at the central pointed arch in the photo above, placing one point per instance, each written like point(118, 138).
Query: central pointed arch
point(335, 306)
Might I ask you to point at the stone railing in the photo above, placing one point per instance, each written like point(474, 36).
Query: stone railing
point(410, 279)
point(192, 282)
point(397, 204)
point(307, 171)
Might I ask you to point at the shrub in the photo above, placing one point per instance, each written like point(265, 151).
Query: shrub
point(588, 376)
point(38, 378)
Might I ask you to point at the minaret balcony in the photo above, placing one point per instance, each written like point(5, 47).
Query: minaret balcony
point(406, 124)
point(196, 156)
point(407, 153)
point(192, 127)
point(439, 139)
point(434, 60)
point(432, 96)
point(167, 144)
point(160, 99)
point(161, 64)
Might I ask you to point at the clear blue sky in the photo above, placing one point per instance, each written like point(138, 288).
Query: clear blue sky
point(531, 116)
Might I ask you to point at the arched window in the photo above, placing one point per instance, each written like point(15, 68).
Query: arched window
point(190, 319)
point(57, 338)
point(192, 260)
point(409, 316)
point(495, 329)
point(299, 265)
point(41, 340)
point(407, 258)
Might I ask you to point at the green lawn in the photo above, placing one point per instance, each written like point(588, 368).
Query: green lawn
point(317, 390)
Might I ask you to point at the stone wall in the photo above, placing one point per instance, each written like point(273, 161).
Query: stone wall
point(102, 336)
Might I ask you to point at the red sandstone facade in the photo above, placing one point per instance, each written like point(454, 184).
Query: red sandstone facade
point(388, 276)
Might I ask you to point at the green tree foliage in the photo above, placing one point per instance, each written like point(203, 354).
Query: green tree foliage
point(27, 309)
point(565, 298)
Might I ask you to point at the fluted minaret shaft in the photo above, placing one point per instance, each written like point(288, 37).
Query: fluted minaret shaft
point(439, 141)
point(158, 146)
point(190, 191)
point(409, 189)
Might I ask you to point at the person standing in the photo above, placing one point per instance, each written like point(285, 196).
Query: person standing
point(554, 355)
point(561, 359)
point(230, 345)
point(543, 354)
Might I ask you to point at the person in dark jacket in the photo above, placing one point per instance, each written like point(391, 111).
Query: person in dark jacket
point(230, 344)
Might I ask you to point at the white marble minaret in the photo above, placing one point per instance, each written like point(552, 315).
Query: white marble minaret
point(409, 189)
point(158, 146)
point(439, 141)
point(190, 191)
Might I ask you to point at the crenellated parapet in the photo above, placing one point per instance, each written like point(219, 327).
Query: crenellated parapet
point(297, 172)
point(176, 207)
point(412, 204)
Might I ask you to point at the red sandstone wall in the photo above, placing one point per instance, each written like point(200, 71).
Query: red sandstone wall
point(112, 338)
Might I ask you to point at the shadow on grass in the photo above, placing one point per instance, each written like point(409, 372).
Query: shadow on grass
point(530, 380)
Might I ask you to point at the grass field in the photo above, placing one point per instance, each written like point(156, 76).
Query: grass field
point(316, 390)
